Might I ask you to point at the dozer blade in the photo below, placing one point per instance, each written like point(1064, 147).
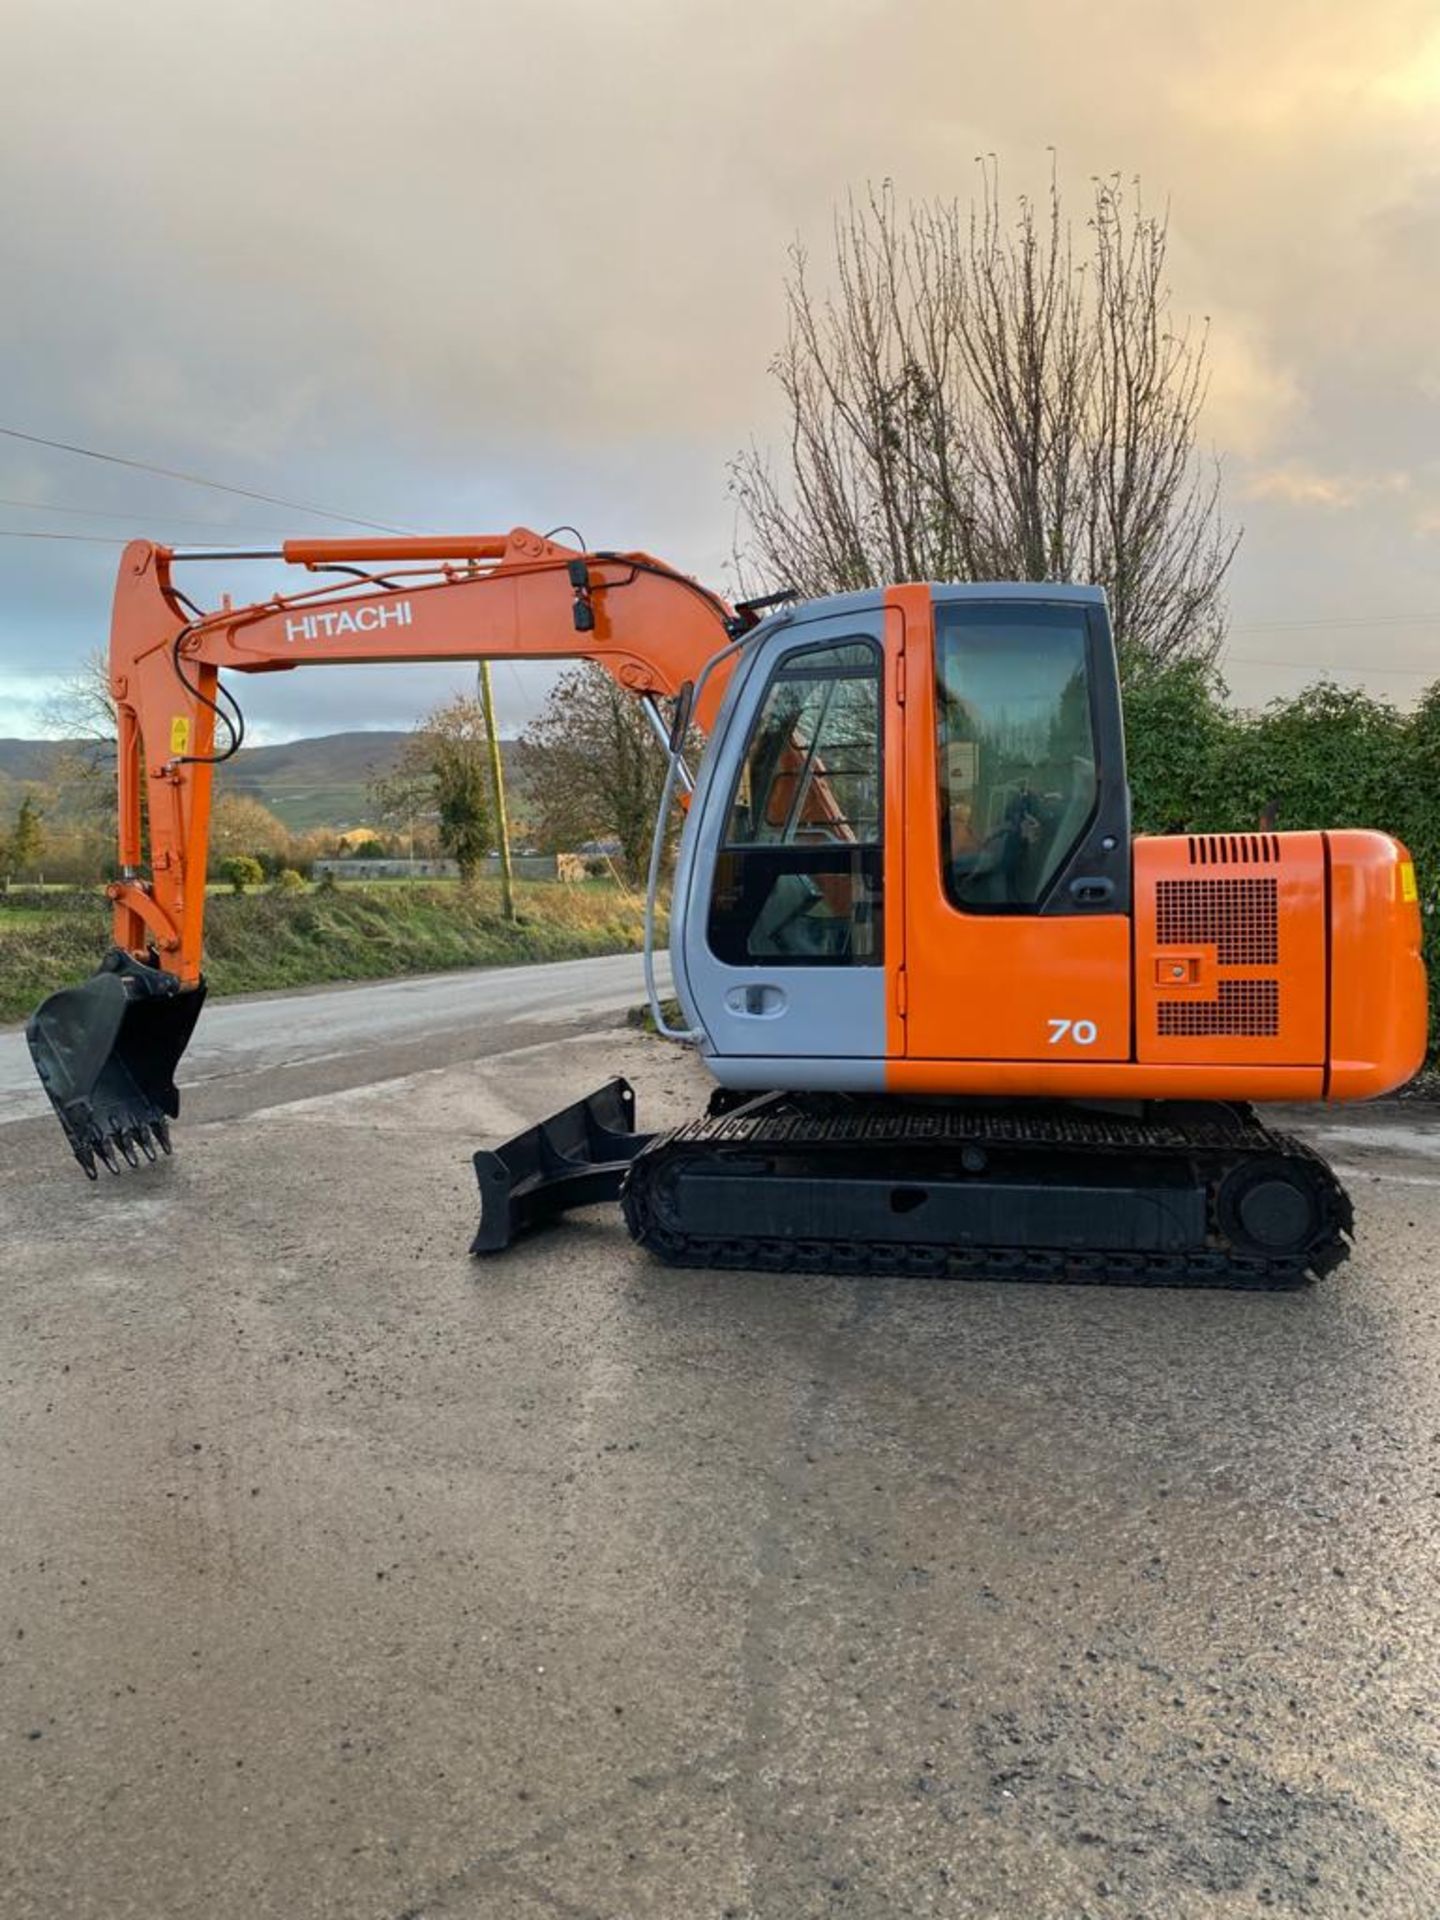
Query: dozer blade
point(576, 1158)
point(106, 1052)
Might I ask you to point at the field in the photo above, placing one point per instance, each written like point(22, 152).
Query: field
point(355, 931)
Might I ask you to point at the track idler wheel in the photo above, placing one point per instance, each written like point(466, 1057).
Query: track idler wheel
point(1279, 1208)
point(106, 1052)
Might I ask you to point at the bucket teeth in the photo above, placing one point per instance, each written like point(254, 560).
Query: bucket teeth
point(86, 1157)
point(125, 1140)
point(107, 1154)
point(142, 1136)
point(161, 1130)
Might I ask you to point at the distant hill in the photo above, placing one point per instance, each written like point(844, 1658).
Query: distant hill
point(320, 782)
point(27, 759)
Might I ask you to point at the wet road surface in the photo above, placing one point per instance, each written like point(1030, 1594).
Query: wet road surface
point(340, 1575)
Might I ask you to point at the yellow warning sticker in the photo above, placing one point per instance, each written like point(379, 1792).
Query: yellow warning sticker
point(1408, 889)
point(179, 734)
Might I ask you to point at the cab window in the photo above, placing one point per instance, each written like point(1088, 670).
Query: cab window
point(798, 875)
point(1016, 749)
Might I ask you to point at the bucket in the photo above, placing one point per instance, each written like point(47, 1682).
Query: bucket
point(106, 1052)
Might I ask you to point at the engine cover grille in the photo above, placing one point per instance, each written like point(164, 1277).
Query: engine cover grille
point(1232, 952)
point(1240, 918)
point(1242, 1008)
point(1234, 849)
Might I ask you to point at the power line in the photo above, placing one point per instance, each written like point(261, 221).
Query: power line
point(102, 513)
point(91, 539)
point(1315, 626)
point(1329, 666)
point(199, 480)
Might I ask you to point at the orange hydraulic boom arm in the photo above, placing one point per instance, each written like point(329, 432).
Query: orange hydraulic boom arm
point(515, 596)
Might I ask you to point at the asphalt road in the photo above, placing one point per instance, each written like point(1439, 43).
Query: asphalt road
point(329, 1033)
point(340, 1575)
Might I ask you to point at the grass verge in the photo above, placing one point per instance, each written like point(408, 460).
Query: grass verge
point(350, 932)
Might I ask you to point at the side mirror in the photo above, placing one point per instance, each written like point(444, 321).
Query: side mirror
point(582, 613)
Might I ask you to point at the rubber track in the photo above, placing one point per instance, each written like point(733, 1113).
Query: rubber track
point(1224, 1137)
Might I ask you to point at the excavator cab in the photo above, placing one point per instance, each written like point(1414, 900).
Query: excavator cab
point(930, 778)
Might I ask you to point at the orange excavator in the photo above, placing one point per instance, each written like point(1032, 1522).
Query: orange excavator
point(962, 1021)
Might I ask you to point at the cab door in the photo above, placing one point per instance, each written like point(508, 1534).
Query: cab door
point(779, 949)
point(1017, 831)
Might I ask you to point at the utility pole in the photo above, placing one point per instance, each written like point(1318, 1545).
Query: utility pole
point(497, 782)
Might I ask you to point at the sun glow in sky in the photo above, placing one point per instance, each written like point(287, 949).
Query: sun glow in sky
point(1415, 83)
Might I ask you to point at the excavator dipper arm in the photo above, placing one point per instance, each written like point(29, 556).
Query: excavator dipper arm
point(106, 1051)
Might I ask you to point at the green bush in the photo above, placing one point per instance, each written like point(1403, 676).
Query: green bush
point(1177, 733)
point(289, 881)
point(1329, 757)
point(242, 870)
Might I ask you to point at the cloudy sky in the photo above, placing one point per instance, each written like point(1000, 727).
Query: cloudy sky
point(467, 265)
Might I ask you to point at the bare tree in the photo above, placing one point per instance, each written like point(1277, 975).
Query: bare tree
point(240, 824)
point(978, 397)
point(404, 798)
point(81, 712)
point(592, 767)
